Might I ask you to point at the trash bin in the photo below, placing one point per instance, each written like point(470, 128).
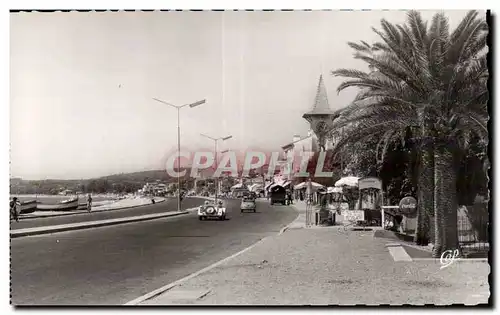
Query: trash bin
point(316, 217)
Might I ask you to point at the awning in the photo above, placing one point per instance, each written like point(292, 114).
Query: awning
point(274, 185)
point(268, 186)
point(286, 184)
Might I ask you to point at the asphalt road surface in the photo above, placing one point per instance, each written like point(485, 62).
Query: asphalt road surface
point(116, 264)
point(170, 204)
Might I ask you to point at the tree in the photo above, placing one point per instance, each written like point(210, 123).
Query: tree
point(433, 83)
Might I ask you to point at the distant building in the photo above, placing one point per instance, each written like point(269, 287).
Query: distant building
point(293, 155)
point(155, 188)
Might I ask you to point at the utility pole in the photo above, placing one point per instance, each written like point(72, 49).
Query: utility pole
point(179, 144)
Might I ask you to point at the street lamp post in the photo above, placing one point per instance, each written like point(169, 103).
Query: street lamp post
point(179, 143)
point(222, 152)
point(215, 143)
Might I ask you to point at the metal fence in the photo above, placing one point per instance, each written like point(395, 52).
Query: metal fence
point(473, 234)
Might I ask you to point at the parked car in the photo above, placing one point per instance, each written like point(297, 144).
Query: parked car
point(210, 210)
point(248, 204)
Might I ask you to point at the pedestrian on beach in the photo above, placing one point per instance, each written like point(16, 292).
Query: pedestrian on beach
point(89, 202)
point(14, 209)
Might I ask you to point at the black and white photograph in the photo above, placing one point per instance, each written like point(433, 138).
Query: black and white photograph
point(250, 157)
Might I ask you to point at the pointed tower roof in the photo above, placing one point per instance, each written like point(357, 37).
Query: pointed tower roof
point(321, 105)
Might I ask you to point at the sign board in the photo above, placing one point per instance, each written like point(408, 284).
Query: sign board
point(408, 206)
point(369, 182)
point(344, 206)
point(353, 215)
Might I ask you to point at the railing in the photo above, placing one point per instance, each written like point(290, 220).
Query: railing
point(473, 234)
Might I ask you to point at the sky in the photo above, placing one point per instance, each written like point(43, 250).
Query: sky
point(81, 84)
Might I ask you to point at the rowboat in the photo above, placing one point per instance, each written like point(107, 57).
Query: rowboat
point(65, 205)
point(28, 206)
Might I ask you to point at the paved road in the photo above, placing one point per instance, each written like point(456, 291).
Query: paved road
point(169, 204)
point(113, 265)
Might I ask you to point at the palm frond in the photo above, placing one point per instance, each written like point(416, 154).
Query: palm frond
point(358, 47)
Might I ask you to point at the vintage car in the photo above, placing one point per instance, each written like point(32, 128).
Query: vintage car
point(248, 204)
point(210, 210)
point(278, 195)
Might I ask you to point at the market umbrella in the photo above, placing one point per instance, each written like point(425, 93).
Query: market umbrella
point(351, 181)
point(314, 186)
point(300, 186)
point(332, 190)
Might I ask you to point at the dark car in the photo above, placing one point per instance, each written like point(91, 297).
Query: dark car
point(278, 195)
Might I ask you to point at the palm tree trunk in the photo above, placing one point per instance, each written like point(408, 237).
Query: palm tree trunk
point(425, 205)
point(425, 185)
point(445, 201)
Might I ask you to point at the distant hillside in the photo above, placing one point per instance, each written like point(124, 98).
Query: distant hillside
point(125, 182)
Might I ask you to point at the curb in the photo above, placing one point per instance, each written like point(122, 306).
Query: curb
point(91, 224)
point(85, 212)
point(159, 291)
point(285, 228)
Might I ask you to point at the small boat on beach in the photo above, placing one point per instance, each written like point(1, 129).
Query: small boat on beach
point(27, 206)
point(65, 205)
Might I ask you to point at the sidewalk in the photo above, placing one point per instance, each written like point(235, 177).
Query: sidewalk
point(328, 265)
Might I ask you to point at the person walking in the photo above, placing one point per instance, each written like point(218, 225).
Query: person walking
point(89, 202)
point(288, 198)
point(14, 205)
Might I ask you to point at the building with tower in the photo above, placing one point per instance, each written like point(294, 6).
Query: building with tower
point(320, 119)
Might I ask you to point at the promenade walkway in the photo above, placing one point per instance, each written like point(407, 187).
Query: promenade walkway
point(328, 265)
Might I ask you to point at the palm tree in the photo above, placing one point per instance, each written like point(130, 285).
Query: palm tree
point(434, 84)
